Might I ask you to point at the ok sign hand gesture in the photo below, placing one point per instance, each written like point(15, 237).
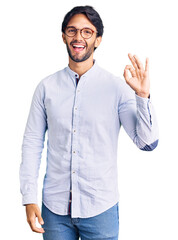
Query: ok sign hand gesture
point(139, 81)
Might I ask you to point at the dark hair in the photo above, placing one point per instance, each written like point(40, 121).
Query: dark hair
point(90, 13)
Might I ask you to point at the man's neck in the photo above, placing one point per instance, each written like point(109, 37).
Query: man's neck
point(81, 67)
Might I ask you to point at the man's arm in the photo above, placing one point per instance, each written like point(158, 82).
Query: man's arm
point(32, 146)
point(137, 115)
point(136, 111)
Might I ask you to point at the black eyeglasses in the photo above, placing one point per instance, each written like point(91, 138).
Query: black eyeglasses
point(85, 32)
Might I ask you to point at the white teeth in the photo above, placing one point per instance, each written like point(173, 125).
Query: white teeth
point(79, 46)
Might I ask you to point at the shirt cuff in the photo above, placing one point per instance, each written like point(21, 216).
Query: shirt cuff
point(143, 102)
point(29, 199)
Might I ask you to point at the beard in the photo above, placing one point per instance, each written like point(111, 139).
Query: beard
point(76, 58)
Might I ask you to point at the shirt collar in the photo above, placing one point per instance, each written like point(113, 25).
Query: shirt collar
point(87, 74)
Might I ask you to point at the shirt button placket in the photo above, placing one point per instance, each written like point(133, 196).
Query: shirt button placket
point(75, 163)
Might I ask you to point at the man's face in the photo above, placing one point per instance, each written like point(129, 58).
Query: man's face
point(80, 21)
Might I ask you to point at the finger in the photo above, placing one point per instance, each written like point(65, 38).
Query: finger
point(131, 69)
point(133, 61)
point(126, 75)
point(40, 219)
point(138, 62)
point(147, 64)
point(34, 228)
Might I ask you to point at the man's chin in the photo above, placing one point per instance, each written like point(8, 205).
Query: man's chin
point(78, 59)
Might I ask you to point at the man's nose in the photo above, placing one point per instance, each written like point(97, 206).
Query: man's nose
point(78, 35)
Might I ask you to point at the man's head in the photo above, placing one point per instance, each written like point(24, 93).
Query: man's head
point(81, 45)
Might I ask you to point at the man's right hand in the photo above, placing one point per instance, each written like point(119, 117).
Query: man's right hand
point(33, 211)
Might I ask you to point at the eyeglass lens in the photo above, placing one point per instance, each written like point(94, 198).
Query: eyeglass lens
point(86, 32)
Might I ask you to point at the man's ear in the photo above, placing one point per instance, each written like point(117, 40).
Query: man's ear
point(64, 38)
point(98, 41)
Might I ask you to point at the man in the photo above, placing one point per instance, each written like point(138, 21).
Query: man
point(82, 107)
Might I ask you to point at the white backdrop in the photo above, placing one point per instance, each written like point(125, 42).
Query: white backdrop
point(31, 48)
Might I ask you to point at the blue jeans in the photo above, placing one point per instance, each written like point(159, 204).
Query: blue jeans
point(63, 227)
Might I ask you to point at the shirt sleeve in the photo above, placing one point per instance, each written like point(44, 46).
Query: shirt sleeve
point(137, 116)
point(32, 146)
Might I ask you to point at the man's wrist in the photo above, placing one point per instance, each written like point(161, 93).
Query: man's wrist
point(143, 95)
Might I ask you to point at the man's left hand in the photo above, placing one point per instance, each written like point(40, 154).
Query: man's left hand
point(139, 81)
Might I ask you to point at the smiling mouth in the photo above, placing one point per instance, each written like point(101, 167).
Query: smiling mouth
point(78, 48)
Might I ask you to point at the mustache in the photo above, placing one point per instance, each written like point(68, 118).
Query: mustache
point(83, 43)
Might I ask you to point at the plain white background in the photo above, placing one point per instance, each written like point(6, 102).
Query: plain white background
point(31, 48)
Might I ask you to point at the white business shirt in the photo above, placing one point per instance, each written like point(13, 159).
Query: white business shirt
point(82, 122)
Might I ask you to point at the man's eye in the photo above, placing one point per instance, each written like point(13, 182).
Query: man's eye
point(71, 30)
point(87, 31)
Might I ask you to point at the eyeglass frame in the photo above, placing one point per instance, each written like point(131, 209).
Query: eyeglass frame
point(80, 31)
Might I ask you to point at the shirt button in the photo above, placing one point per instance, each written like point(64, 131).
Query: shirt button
point(73, 172)
point(78, 90)
point(75, 108)
point(74, 130)
point(73, 151)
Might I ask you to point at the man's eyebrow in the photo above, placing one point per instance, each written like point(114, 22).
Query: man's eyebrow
point(75, 27)
point(70, 26)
